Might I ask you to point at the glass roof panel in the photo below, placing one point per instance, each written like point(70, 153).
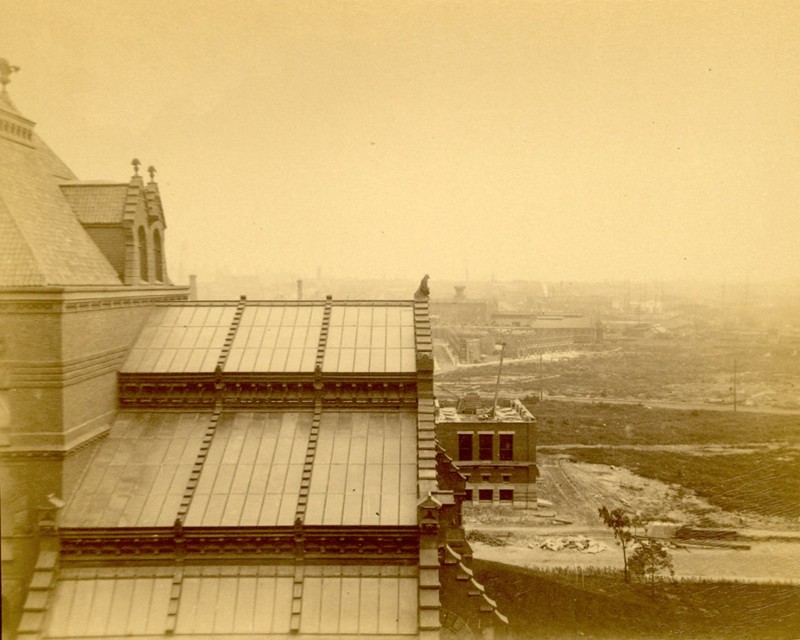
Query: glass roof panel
point(270, 337)
point(279, 360)
point(372, 329)
point(181, 327)
point(276, 328)
point(359, 477)
point(293, 360)
point(309, 359)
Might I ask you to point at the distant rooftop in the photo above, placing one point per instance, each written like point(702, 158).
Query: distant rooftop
point(515, 413)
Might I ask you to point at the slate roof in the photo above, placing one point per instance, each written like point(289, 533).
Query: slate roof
point(41, 241)
point(96, 203)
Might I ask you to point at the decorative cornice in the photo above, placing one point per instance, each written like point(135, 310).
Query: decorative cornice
point(70, 305)
point(19, 453)
point(50, 373)
point(323, 545)
point(269, 392)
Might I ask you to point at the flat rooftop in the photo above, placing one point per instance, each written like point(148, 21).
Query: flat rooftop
point(515, 413)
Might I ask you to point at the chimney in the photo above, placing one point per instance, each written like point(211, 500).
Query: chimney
point(192, 287)
point(299, 289)
point(460, 292)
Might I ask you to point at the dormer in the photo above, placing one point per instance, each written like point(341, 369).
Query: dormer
point(126, 221)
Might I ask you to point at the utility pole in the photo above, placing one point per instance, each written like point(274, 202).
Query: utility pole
point(497, 385)
point(734, 385)
point(540, 375)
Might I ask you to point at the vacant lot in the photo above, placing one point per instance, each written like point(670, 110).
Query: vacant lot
point(761, 482)
point(678, 370)
point(736, 461)
point(561, 423)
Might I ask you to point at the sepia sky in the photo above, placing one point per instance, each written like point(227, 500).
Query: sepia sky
point(542, 140)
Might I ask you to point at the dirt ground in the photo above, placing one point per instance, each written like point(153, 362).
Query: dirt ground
point(570, 495)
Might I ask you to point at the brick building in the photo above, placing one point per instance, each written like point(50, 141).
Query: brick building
point(495, 451)
point(207, 469)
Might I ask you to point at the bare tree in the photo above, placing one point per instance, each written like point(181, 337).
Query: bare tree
point(622, 526)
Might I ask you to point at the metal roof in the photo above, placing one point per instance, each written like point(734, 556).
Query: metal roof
point(365, 470)
point(277, 337)
point(181, 339)
point(251, 476)
point(363, 600)
point(139, 472)
point(370, 338)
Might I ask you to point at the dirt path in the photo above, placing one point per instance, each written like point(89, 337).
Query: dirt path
point(573, 492)
point(683, 406)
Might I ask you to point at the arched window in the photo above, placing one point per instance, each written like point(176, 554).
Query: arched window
point(143, 270)
point(158, 254)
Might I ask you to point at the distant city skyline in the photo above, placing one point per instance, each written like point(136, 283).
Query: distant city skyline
point(548, 141)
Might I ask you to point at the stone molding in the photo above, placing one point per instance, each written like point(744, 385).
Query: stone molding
point(60, 373)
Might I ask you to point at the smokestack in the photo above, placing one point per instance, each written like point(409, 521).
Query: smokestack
point(192, 287)
point(299, 289)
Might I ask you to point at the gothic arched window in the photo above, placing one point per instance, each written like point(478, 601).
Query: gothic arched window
point(158, 254)
point(143, 270)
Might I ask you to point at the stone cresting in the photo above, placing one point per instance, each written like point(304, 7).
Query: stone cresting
point(40, 594)
point(428, 507)
point(481, 612)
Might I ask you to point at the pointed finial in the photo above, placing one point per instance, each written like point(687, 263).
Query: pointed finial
point(6, 70)
point(135, 162)
point(152, 171)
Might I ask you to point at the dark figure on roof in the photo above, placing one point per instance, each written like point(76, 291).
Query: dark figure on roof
point(423, 291)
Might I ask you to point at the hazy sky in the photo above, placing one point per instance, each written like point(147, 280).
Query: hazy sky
point(542, 140)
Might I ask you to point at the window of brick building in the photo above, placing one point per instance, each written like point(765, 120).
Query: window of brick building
point(469, 495)
point(465, 446)
point(485, 495)
point(506, 477)
point(506, 495)
point(484, 446)
point(506, 446)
